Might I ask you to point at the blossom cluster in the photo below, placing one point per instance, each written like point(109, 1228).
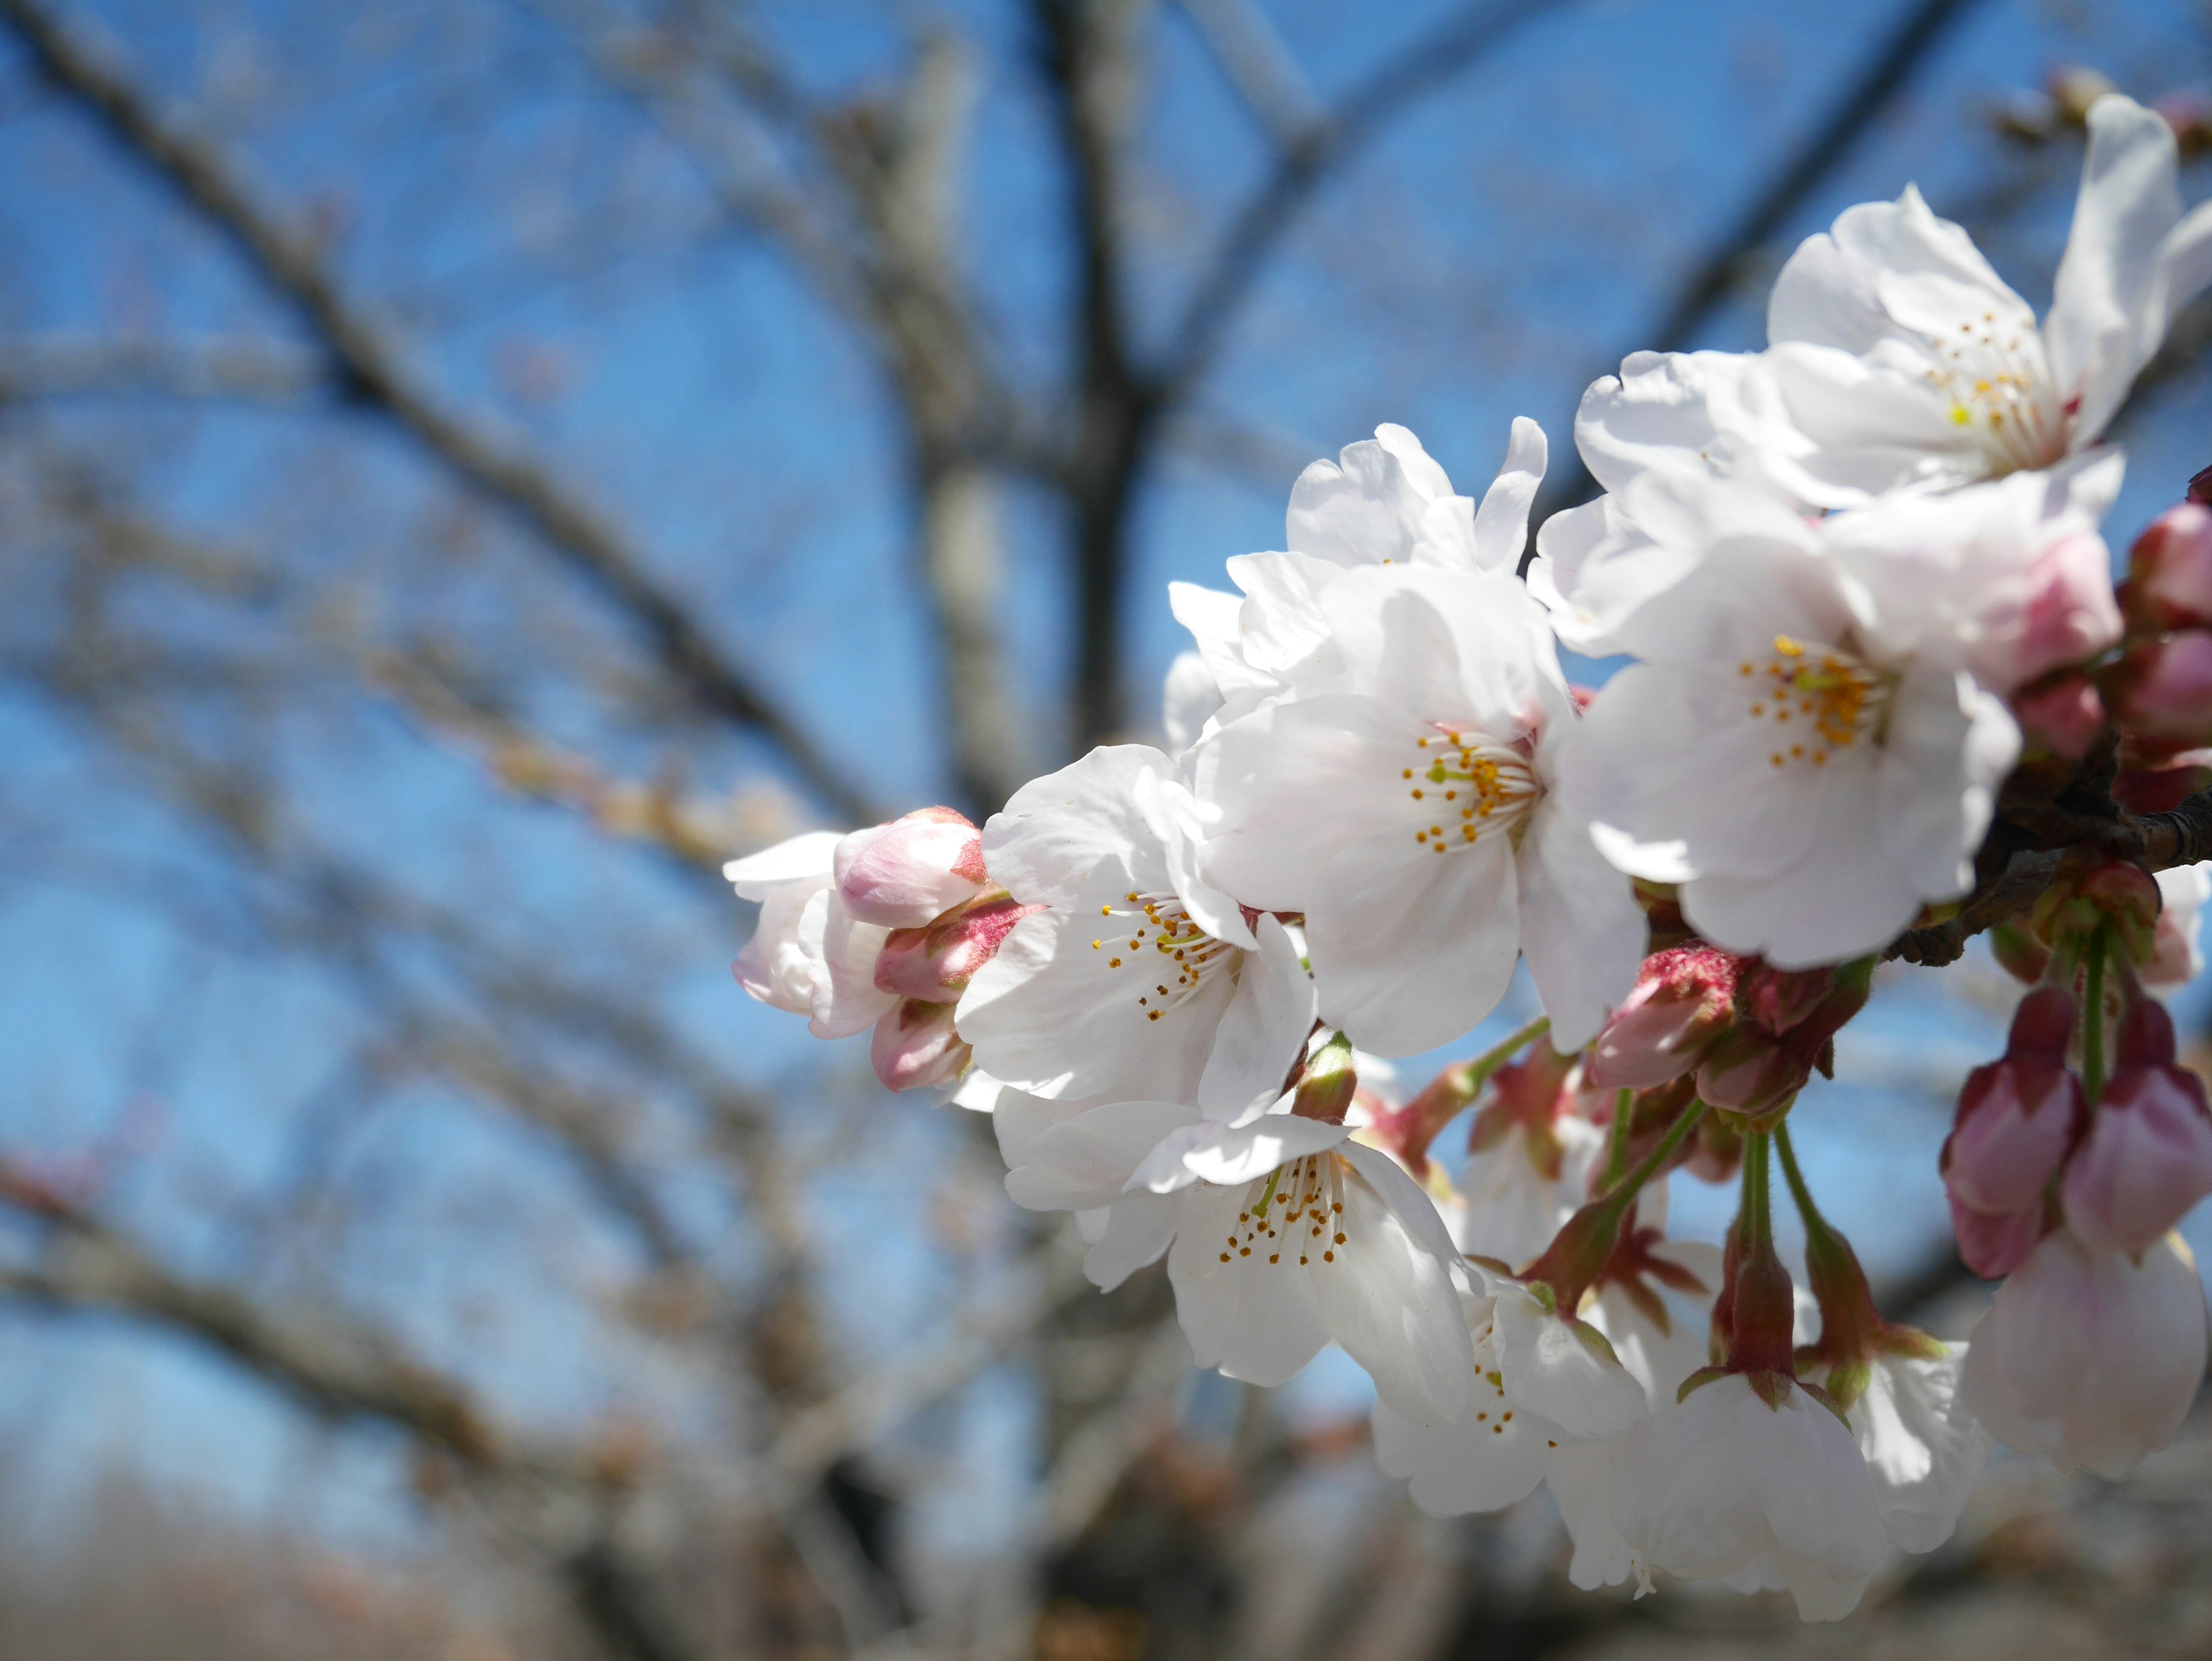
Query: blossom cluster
point(1881, 684)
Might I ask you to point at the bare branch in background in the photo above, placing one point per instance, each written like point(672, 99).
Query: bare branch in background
point(70, 366)
point(372, 373)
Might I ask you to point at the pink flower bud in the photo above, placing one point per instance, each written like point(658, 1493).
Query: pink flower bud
point(915, 1045)
point(909, 872)
point(1751, 1072)
point(2148, 1156)
point(2018, 1116)
point(2164, 687)
point(2061, 717)
point(936, 963)
point(1682, 1000)
point(2170, 570)
point(1994, 1246)
point(2069, 615)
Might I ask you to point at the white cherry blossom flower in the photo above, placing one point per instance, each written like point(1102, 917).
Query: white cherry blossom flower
point(2090, 1359)
point(1411, 817)
point(1897, 359)
point(1498, 1450)
point(1281, 1235)
point(1923, 1449)
point(782, 964)
point(1697, 417)
point(1722, 1485)
point(1385, 502)
point(1907, 361)
point(1813, 746)
point(1140, 980)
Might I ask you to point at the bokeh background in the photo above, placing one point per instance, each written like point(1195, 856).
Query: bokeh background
point(467, 467)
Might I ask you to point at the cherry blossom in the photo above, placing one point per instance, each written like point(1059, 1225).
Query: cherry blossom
point(1281, 1235)
point(2090, 1358)
point(1136, 979)
point(1412, 817)
point(1812, 749)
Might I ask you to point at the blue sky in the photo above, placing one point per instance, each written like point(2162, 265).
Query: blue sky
point(1505, 240)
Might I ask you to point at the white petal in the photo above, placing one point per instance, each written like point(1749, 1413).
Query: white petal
point(1254, 1320)
point(1264, 1029)
point(1581, 1476)
point(846, 997)
point(1501, 524)
point(1581, 930)
point(1411, 948)
point(2129, 200)
point(1064, 835)
point(1086, 1161)
point(1923, 1451)
point(1232, 1155)
point(808, 856)
point(1552, 1368)
point(1386, 1298)
point(1489, 1457)
point(1139, 1228)
point(1051, 1013)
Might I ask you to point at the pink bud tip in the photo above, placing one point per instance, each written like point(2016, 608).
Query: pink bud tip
point(2069, 614)
point(936, 963)
point(2147, 1161)
point(2017, 1119)
point(916, 1045)
point(2165, 687)
point(2170, 569)
point(2064, 716)
point(1994, 1246)
point(1682, 1000)
point(909, 872)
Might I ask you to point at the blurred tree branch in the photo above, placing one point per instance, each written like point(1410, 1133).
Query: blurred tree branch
point(371, 374)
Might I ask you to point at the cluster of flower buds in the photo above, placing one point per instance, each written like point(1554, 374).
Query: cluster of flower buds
point(883, 927)
point(1751, 1033)
point(2119, 1161)
point(2160, 689)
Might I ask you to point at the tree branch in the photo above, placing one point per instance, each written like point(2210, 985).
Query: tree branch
point(371, 374)
point(1434, 58)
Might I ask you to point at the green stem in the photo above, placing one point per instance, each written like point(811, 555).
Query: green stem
point(1758, 1215)
point(1616, 1149)
point(1618, 1195)
point(1480, 1069)
point(2093, 1021)
point(1816, 1226)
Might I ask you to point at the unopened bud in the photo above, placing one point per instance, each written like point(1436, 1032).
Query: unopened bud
point(936, 963)
point(907, 874)
point(2164, 687)
point(1994, 1246)
point(2148, 1158)
point(2116, 892)
point(1683, 999)
point(2061, 717)
point(1749, 1072)
point(2069, 615)
point(915, 1045)
point(1328, 1084)
point(2018, 953)
point(2018, 1116)
point(2169, 571)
